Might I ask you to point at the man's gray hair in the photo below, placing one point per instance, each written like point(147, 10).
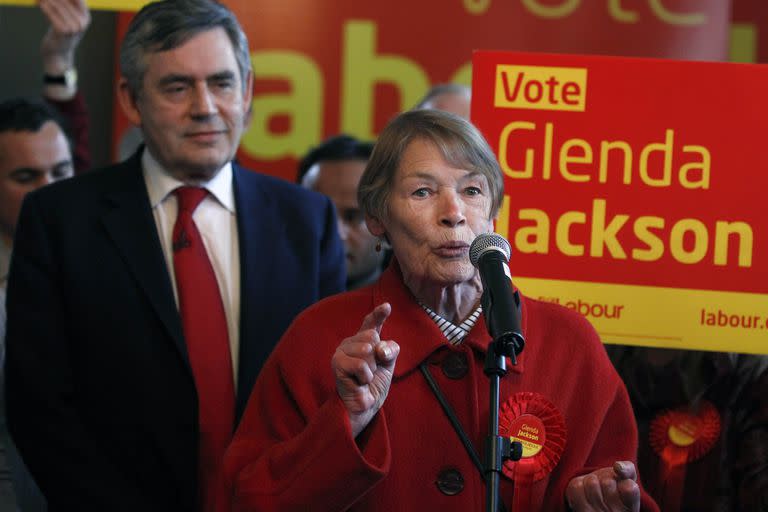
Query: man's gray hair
point(440, 89)
point(168, 24)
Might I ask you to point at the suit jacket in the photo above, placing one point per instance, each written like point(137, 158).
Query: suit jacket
point(100, 395)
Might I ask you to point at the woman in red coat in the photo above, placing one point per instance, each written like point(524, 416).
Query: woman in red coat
point(345, 414)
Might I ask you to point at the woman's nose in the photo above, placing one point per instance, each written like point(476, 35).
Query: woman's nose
point(451, 209)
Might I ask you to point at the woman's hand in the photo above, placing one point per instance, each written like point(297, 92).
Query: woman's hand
point(363, 365)
point(607, 489)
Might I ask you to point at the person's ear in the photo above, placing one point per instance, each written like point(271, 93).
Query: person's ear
point(375, 226)
point(128, 100)
point(248, 92)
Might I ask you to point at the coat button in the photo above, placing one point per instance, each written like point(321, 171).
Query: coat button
point(455, 365)
point(450, 482)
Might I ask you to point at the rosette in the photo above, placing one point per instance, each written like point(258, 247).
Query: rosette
point(535, 422)
point(680, 436)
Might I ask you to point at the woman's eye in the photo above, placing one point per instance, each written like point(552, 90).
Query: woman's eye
point(473, 191)
point(422, 192)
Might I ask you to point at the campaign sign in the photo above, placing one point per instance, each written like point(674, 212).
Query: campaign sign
point(110, 5)
point(635, 192)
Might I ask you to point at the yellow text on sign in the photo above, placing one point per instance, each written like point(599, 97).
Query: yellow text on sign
point(107, 5)
point(540, 88)
point(655, 316)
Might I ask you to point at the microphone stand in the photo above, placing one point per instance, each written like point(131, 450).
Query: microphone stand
point(498, 449)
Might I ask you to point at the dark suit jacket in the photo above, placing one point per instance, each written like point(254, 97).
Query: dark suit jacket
point(100, 395)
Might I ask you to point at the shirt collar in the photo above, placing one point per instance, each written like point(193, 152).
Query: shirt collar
point(418, 334)
point(160, 184)
point(452, 332)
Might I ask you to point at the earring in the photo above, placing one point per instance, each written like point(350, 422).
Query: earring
point(378, 245)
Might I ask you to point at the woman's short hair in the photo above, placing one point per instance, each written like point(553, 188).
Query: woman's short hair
point(168, 24)
point(459, 142)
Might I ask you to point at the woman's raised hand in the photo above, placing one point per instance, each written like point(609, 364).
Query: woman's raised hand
point(363, 365)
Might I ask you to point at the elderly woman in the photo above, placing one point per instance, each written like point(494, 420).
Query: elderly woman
point(345, 415)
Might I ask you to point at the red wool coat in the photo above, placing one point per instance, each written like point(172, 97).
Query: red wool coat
point(294, 450)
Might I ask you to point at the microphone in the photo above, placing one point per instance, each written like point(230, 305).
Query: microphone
point(490, 252)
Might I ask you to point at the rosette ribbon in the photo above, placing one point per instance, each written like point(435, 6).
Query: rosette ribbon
point(678, 437)
point(535, 422)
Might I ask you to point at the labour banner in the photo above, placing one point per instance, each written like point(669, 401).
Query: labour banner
point(635, 192)
point(324, 67)
point(109, 5)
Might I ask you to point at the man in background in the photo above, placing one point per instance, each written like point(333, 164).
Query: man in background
point(334, 168)
point(723, 465)
point(34, 152)
point(454, 98)
point(144, 298)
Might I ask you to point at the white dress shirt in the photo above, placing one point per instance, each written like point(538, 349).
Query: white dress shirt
point(216, 221)
point(5, 262)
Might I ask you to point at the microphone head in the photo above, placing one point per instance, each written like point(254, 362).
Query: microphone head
point(488, 242)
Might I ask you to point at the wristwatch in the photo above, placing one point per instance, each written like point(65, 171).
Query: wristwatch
point(67, 79)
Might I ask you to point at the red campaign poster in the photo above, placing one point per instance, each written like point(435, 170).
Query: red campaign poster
point(635, 192)
point(324, 67)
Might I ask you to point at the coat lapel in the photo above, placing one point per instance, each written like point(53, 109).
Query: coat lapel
point(258, 224)
point(131, 226)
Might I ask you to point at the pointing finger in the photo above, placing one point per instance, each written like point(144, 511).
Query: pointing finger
point(375, 319)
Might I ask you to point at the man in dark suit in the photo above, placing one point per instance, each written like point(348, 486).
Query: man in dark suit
point(137, 320)
point(334, 168)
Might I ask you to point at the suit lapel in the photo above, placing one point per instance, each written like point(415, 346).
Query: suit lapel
point(131, 226)
point(257, 225)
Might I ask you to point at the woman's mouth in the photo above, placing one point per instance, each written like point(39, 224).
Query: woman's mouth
point(455, 249)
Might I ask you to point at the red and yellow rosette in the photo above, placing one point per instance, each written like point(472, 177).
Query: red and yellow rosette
point(678, 437)
point(535, 422)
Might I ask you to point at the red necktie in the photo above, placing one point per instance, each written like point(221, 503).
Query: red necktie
point(205, 331)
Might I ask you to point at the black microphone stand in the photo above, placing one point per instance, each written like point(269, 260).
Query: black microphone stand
point(498, 449)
